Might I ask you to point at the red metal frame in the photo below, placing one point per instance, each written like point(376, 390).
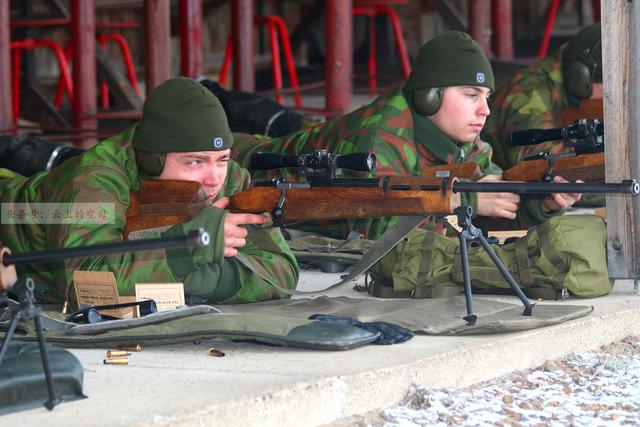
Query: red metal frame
point(277, 30)
point(546, 37)
point(125, 51)
point(372, 9)
point(17, 47)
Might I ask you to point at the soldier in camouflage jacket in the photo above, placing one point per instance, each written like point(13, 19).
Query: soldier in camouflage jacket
point(536, 96)
point(434, 119)
point(183, 135)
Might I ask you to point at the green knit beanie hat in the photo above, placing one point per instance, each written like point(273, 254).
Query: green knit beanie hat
point(181, 115)
point(451, 59)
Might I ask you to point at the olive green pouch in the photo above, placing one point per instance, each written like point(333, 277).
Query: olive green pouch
point(199, 323)
point(566, 255)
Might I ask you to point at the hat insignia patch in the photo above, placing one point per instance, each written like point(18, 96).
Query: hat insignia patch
point(217, 142)
point(480, 77)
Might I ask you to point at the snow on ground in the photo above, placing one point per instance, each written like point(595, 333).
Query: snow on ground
point(592, 388)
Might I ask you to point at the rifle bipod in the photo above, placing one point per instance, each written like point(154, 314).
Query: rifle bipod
point(25, 309)
point(468, 234)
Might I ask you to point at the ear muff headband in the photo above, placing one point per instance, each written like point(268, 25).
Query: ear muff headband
point(427, 101)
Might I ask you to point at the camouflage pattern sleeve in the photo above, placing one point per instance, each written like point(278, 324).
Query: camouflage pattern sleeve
point(262, 268)
point(110, 191)
point(533, 98)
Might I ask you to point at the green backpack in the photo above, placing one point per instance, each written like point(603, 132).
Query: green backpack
point(566, 255)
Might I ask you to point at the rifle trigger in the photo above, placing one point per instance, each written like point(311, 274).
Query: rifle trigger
point(445, 186)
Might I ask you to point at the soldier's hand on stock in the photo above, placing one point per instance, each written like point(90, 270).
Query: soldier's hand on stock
point(559, 201)
point(234, 234)
point(498, 205)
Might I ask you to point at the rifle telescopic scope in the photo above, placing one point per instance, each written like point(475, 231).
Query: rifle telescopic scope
point(318, 160)
point(581, 130)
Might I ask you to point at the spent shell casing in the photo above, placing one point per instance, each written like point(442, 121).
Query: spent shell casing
point(116, 361)
point(118, 353)
point(135, 348)
point(215, 352)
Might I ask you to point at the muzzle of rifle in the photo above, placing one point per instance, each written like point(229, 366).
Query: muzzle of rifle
point(625, 187)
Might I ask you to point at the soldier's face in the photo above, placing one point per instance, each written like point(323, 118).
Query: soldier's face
point(209, 168)
point(463, 112)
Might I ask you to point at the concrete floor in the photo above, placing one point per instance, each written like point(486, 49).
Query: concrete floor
point(253, 385)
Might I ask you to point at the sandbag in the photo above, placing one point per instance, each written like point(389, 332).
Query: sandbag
point(566, 255)
point(22, 381)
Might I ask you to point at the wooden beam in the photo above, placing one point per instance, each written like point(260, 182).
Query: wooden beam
point(620, 47)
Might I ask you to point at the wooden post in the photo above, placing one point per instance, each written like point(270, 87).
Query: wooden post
point(244, 68)
point(157, 42)
point(85, 81)
point(190, 38)
point(338, 67)
point(620, 47)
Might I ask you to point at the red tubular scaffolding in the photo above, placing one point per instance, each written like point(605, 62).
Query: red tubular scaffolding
point(339, 45)
point(6, 114)
point(157, 42)
point(190, 38)
point(83, 30)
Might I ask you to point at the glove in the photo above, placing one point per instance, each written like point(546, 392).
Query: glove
point(183, 261)
point(390, 333)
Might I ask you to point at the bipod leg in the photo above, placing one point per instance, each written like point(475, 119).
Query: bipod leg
point(470, 318)
point(8, 335)
point(528, 307)
point(29, 311)
point(46, 367)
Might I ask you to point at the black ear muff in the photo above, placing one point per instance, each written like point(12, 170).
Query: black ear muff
point(150, 163)
point(579, 79)
point(427, 101)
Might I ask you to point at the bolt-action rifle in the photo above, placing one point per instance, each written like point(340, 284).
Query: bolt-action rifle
point(162, 203)
point(325, 195)
point(584, 161)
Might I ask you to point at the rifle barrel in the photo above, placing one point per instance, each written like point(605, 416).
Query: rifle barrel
point(625, 187)
point(193, 238)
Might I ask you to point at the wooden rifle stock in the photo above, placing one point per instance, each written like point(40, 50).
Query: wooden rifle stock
point(587, 167)
point(162, 204)
point(392, 196)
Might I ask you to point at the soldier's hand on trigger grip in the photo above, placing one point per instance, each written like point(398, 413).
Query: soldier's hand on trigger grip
point(559, 201)
point(234, 234)
point(499, 205)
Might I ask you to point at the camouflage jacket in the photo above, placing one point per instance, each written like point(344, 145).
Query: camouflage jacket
point(99, 182)
point(532, 98)
point(404, 144)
